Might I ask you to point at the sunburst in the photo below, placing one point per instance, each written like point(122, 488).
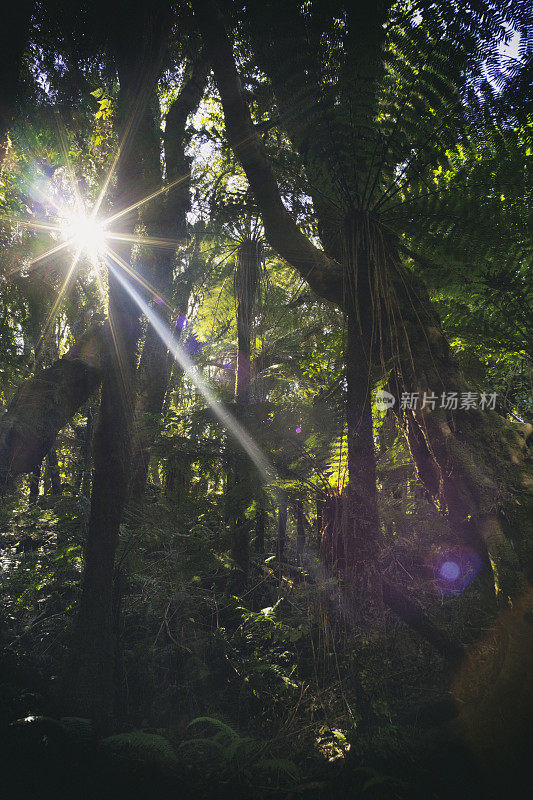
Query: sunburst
point(89, 234)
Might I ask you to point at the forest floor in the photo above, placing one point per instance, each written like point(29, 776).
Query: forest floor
point(269, 693)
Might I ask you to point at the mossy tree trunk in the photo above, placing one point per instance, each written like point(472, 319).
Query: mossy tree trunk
point(47, 401)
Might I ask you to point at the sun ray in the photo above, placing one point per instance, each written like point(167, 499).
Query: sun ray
point(100, 286)
point(41, 257)
point(103, 189)
point(193, 372)
point(133, 115)
point(124, 385)
point(56, 249)
point(64, 287)
point(138, 278)
point(148, 240)
point(146, 199)
point(44, 197)
point(30, 223)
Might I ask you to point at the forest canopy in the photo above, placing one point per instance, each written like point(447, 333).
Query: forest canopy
point(265, 393)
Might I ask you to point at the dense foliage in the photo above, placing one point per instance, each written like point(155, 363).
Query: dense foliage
point(230, 566)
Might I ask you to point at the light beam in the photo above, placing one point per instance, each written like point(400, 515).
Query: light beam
point(193, 373)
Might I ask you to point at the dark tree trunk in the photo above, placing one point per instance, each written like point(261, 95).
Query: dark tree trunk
point(469, 460)
point(90, 686)
point(35, 480)
point(55, 476)
point(282, 525)
point(154, 374)
point(83, 481)
point(177, 477)
point(247, 275)
point(90, 682)
point(241, 480)
point(300, 528)
point(237, 501)
point(359, 520)
point(260, 523)
point(168, 220)
point(240, 550)
point(320, 501)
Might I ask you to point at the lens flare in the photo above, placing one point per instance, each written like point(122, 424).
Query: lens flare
point(450, 570)
point(86, 233)
point(454, 568)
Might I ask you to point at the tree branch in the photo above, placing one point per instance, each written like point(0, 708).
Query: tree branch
point(47, 401)
point(176, 119)
point(322, 273)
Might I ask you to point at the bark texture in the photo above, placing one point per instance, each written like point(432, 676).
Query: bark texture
point(300, 528)
point(282, 525)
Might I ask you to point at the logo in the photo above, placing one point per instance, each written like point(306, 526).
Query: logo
point(384, 400)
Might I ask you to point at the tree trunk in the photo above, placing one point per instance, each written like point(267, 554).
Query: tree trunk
point(55, 476)
point(90, 684)
point(282, 525)
point(260, 523)
point(247, 275)
point(153, 376)
point(241, 479)
point(168, 220)
point(470, 460)
point(91, 678)
point(300, 529)
point(35, 480)
point(360, 530)
point(83, 480)
point(320, 501)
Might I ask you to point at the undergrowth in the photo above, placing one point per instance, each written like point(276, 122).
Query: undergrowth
point(267, 693)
